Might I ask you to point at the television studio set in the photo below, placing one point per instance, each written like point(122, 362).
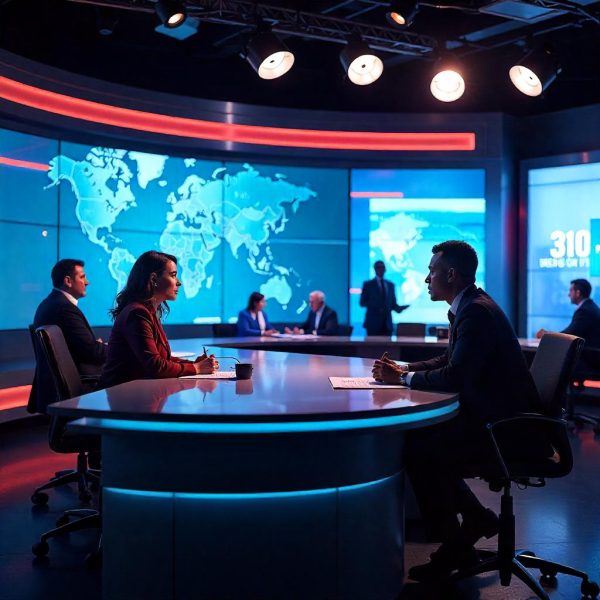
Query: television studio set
point(301, 300)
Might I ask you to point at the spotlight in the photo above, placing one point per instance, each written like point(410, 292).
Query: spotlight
point(402, 12)
point(535, 72)
point(268, 55)
point(447, 84)
point(359, 62)
point(170, 12)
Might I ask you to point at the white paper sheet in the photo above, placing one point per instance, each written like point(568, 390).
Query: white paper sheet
point(217, 375)
point(182, 354)
point(360, 383)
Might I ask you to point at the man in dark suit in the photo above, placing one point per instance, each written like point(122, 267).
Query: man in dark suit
point(485, 365)
point(60, 308)
point(586, 318)
point(321, 319)
point(379, 297)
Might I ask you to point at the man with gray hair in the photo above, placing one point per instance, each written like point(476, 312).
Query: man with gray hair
point(321, 320)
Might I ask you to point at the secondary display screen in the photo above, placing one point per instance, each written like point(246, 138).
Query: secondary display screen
point(563, 240)
point(234, 227)
point(397, 216)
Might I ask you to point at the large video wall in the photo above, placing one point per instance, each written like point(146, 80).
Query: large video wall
point(235, 228)
point(397, 216)
point(563, 240)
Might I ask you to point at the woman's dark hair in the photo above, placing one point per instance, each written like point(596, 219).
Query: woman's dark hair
point(255, 298)
point(139, 286)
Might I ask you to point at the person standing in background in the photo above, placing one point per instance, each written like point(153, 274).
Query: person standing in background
point(378, 296)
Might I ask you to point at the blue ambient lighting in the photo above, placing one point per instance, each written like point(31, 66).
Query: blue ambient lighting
point(274, 427)
point(244, 496)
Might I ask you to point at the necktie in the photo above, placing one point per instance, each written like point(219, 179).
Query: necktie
point(451, 317)
point(382, 289)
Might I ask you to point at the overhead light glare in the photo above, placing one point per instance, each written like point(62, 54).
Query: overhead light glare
point(170, 12)
point(402, 12)
point(534, 72)
point(268, 55)
point(361, 65)
point(447, 84)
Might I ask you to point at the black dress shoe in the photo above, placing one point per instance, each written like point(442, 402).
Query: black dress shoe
point(446, 559)
point(486, 524)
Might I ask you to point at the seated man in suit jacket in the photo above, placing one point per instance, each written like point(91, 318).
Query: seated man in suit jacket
point(321, 319)
point(485, 365)
point(378, 296)
point(61, 308)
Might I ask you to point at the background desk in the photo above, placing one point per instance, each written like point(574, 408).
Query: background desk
point(278, 487)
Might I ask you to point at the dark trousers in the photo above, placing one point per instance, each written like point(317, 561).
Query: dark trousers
point(437, 460)
point(381, 328)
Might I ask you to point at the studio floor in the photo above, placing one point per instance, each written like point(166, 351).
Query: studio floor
point(560, 522)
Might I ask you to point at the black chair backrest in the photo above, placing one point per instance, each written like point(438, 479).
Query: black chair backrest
point(59, 361)
point(410, 329)
point(224, 330)
point(345, 330)
point(552, 367)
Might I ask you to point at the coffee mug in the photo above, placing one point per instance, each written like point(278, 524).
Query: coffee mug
point(243, 370)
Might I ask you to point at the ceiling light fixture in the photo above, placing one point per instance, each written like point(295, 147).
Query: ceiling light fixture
point(447, 83)
point(360, 64)
point(268, 55)
point(402, 12)
point(170, 12)
point(535, 71)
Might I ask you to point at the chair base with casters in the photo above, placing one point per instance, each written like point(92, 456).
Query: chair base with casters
point(85, 478)
point(88, 519)
point(509, 562)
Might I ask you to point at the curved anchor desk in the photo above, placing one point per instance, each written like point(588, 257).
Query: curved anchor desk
point(275, 487)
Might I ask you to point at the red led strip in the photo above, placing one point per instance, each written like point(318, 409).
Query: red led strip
point(377, 194)
point(23, 164)
point(127, 118)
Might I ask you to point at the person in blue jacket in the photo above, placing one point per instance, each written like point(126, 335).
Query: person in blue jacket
point(253, 321)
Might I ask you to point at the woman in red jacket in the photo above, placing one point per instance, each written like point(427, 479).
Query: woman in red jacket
point(138, 347)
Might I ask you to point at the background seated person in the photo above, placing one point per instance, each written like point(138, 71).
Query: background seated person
point(253, 321)
point(138, 347)
point(586, 318)
point(61, 308)
point(321, 320)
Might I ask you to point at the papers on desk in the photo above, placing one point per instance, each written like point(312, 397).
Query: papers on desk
point(182, 354)
point(361, 383)
point(217, 375)
point(298, 336)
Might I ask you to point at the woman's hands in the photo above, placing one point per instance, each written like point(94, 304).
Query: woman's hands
point(205, 365)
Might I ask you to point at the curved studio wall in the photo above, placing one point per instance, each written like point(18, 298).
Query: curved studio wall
point(246, 197)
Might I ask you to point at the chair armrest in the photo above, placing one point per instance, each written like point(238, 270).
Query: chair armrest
point(531, 441)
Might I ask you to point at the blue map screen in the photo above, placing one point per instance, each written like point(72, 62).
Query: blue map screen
point(397, 216)
point(234, 227)
point(563, 244)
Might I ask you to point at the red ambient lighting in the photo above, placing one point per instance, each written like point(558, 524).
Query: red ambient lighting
point(23, 164)
point(86, 110)
point(377, 194)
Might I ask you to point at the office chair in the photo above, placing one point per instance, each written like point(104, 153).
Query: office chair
point(345, 330)
point(67, 384)
point(587, 369)
point(221, 330)
point(53, 358)
point(529, 448)
point(410, 330)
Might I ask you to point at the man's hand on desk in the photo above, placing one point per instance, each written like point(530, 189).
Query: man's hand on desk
point(205, 365)
point(387, 371)
point(296, 330)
